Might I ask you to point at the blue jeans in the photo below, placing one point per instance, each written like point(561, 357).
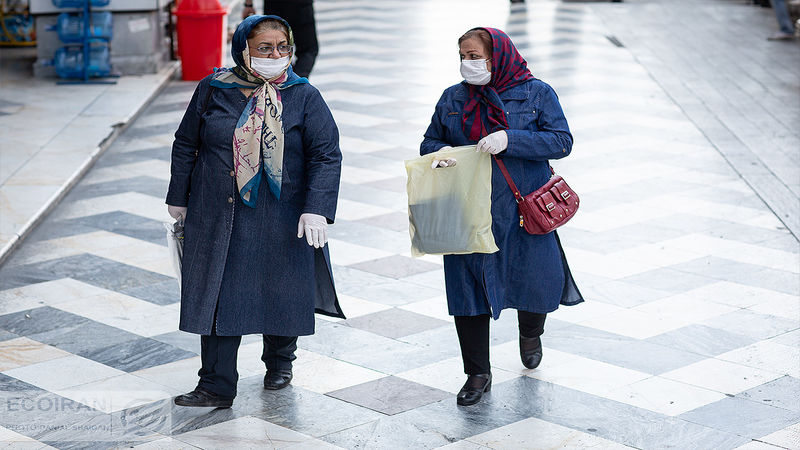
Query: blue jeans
point(782, 14)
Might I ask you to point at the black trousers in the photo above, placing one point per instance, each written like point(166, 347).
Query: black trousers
point(300, 15)
point(218, 355)
point(473, 337)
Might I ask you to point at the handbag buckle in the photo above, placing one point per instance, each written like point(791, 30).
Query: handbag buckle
point(550, 207)
point(565, 195)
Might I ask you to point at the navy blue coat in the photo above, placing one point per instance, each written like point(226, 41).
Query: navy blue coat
point(529, 273)
point(247, 264)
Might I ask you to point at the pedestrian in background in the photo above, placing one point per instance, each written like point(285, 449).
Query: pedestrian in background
point(518, 118)
point(300, 15)
point(256, 160)
point(786, 31)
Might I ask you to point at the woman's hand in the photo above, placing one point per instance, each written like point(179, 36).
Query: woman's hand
point(449, 162)
point(315, 228)
point(493, 143)
point(177, 212)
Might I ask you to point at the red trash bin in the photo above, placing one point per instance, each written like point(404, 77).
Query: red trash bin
point(202, 36)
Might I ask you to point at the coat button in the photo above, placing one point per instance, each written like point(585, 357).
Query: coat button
point(230, 199)
point(233, 173)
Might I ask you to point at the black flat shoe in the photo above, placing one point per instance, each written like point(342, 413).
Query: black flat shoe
point(277, 379)
point(474, 388)
point(530, 351)
point(203, 398)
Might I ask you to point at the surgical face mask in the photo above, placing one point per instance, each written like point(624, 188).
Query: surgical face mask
point(269, 67)
point(474, 71)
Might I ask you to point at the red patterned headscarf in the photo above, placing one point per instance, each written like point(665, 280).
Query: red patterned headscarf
point(483, 111)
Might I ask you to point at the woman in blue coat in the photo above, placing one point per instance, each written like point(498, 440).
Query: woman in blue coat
point(255, 175)
point(517, 118)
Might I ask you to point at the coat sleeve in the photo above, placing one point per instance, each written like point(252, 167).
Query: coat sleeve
point(323, 159)
point(185, 149)
point(552, 140)
point(434, 135)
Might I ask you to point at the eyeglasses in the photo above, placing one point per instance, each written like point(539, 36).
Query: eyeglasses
point(268, 49)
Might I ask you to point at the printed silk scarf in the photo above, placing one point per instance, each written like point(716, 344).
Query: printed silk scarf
point(258, 137)
point(483, 104)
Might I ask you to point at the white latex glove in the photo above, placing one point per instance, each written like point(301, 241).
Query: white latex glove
point(449, 162)
point(493, 143)
point(177, 212)
point(315, 228)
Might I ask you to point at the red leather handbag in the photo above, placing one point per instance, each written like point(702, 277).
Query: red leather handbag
point(546, 208)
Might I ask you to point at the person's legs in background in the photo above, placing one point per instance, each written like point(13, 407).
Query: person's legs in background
point(784, 21)
point(278, 355)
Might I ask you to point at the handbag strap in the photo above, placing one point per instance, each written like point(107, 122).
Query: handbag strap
point(510, 182)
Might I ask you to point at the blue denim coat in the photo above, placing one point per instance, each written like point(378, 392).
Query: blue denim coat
point(247, 264)
point(529, 273)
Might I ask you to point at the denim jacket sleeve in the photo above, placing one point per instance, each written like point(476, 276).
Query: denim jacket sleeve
point(185, 149)
point(551, 140)
point(323, 158)
point(435, 134)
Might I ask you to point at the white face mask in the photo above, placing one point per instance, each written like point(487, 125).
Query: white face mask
point(474, 71)
point(269, 67)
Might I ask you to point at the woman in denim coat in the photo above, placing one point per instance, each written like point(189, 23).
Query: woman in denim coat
point(517, 118)
point(255, 175)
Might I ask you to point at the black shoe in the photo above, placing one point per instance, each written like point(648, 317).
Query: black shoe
point(530, 350)
point(202, 397)
point(277, 379)
point(474, 388)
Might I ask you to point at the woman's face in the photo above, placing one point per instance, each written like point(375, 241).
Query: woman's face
point(269, 44)
point(473, 48)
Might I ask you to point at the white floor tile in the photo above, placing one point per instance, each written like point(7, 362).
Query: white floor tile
point(324, 374)
point(61, 373)
point(721, 376)
point(664, 396)
point(117, 393)
point(245, 433)
point(537, 433)
point(587, 375)
point(779, 358)
point(20, 352)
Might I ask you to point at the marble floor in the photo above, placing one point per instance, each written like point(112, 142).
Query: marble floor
point(689, 336)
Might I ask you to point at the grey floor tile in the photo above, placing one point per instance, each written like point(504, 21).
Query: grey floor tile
point(85, 336)
point(152, 186)
point(395, 323)
point(611, 420)
point(669, 279)
point(619, 350)
point(138, 354)
point(396, 266)
point(396, 184)
point(39, 320)
point(396, 221)
point(624, 294)
point(160, 293)
point(7, 335)
point(390, 395)
point(702, 339)
point(743, 417)
point(370, 350)
point(754, 325)
point(380, 289)
point(120, 222)
point(180, 339)
point(390, 433)
point(738, 272)
point(371, 236)
point(350, 190)
point(781, 393)
point(299, 409)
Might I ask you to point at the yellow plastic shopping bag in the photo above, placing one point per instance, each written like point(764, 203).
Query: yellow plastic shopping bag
point(449, 208)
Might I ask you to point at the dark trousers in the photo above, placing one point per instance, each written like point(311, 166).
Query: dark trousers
point(473, 337)
point(218, 355)
point(300, 15)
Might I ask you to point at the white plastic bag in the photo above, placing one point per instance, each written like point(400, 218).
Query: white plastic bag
point(175, 245)
point(449, 208)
